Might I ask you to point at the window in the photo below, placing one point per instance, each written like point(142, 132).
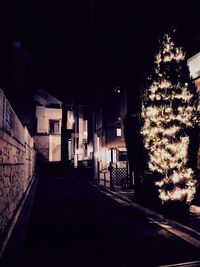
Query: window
point(122, 155)
point(54, 126)
point(119, 132)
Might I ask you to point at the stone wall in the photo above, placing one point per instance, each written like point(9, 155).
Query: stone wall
point(17, 165)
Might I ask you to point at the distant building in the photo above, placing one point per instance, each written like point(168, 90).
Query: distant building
point(48, 126)
point(79, 149)
point(49, 116)
point(110, 143)
point(17, 78)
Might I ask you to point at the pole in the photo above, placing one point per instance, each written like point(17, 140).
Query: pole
point(98, 170)
point(64, 137)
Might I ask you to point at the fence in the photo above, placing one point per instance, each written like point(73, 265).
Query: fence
point(115, 177)
point(9, 121)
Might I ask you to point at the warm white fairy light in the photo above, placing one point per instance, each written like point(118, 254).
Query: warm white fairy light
point(168, 154)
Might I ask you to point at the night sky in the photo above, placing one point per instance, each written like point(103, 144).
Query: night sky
point(79, 44)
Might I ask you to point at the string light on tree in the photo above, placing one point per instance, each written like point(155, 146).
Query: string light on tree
point(169, 111)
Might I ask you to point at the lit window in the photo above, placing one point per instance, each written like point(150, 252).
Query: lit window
point(85, 134)
point(119, 132)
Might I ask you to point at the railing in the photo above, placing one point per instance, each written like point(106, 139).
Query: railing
point(9, 121)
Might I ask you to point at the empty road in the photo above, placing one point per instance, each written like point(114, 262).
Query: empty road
point(73, 224)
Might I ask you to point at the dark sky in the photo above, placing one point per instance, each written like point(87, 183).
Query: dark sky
point(111, 41)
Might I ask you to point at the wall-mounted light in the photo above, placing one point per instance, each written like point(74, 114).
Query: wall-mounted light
point(71, 119)
point(119, 132)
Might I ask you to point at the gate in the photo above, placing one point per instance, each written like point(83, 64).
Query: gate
point(119, 177)
point(111, 177)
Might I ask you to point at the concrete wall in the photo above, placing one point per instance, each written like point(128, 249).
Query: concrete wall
point(55, 147)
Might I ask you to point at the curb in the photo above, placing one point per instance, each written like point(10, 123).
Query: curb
point(158, 218)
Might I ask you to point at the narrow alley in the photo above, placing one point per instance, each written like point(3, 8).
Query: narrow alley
point(73, 224)
point(99, 134)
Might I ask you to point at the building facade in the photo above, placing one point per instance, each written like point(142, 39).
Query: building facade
point(109, 138)
point(48, 130)
point(194, 68)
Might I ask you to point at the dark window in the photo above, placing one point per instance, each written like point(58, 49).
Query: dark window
point(54, 126)
point(122, 156)
point(85, 150)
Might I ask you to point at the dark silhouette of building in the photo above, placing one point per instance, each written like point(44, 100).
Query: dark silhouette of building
point(17, 77)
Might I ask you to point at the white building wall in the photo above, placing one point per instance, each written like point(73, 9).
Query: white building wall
point(194, 66)
point(48, 146)
point(40, 115)
point(81, 147)
point(54, 147)
point(83, 135)
point(43, 116)
point(85, 130)
point(70, 119)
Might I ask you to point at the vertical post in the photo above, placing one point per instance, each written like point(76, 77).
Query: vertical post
point(98, 172)
point(111, 181)
point(111, 155)
point(129, 175)
point(95, 160)
point(111, 177)
point(64, 137)
point(127, 181)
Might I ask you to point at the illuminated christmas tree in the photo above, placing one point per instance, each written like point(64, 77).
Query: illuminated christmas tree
point(169, 112)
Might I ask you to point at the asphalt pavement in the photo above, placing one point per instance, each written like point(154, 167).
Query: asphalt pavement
point(73, 223)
